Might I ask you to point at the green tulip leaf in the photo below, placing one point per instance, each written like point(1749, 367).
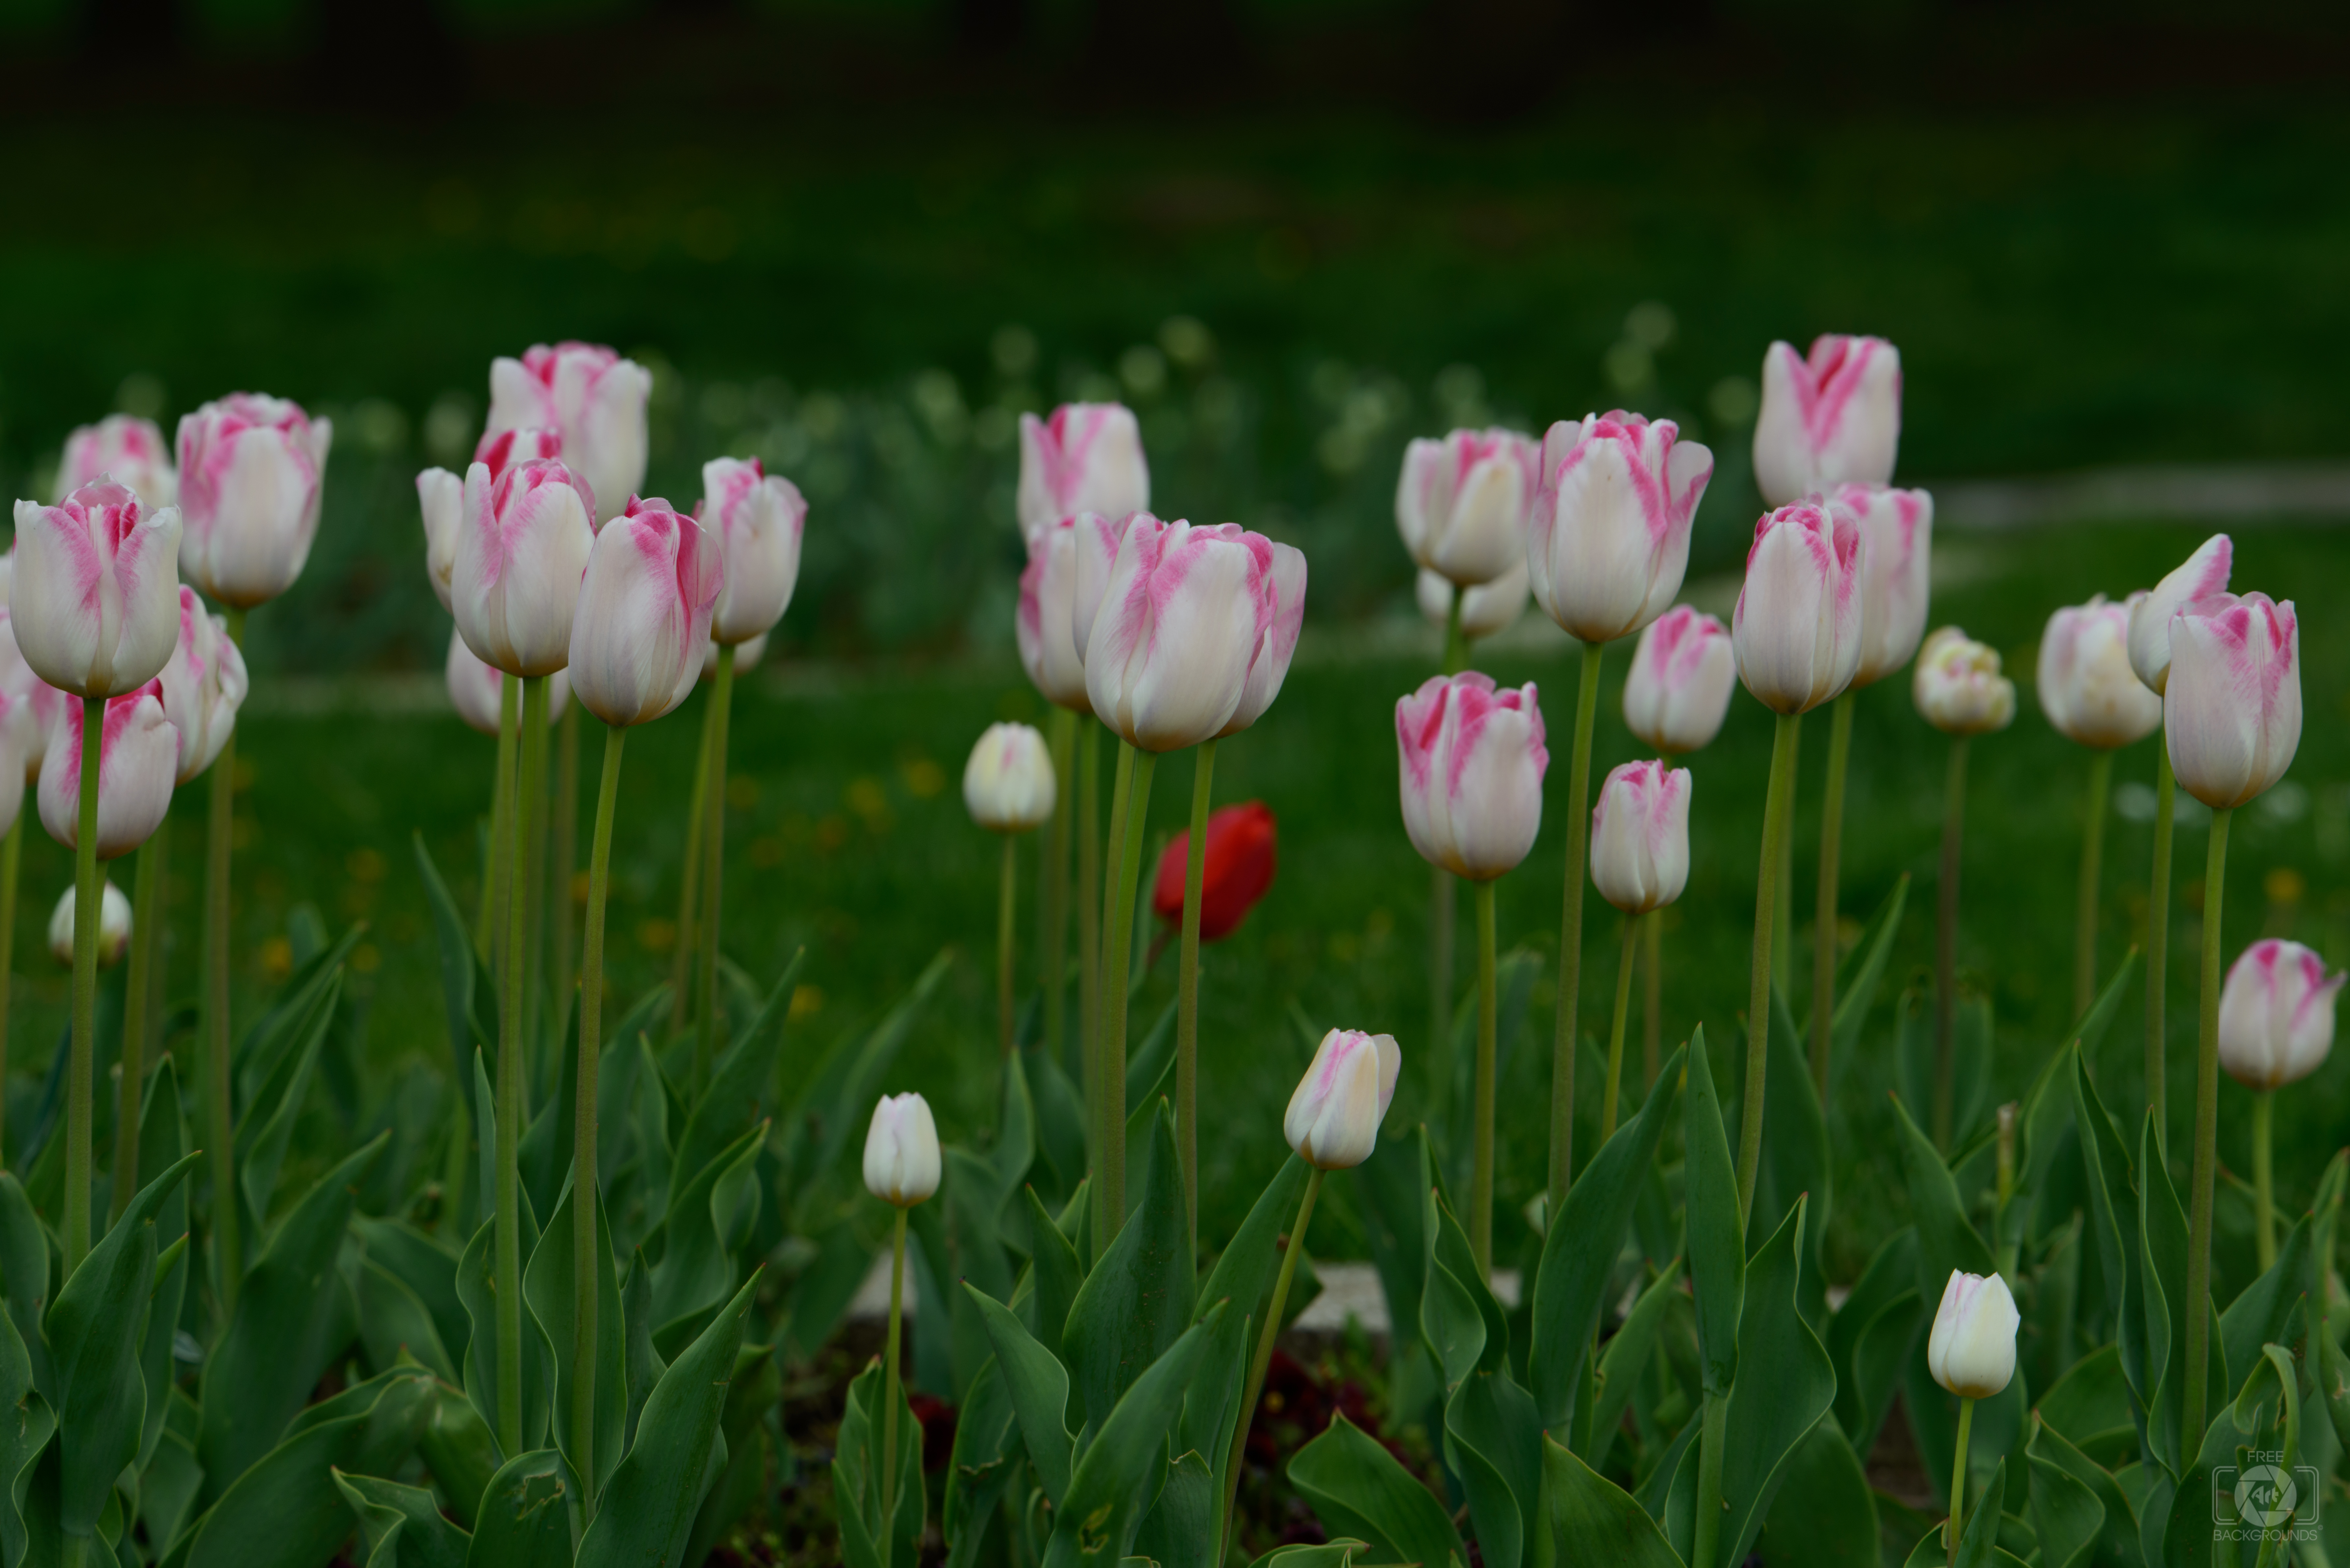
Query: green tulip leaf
point(1244, 1274)
point(1628, 1353)
point(856, 1477)
point(392, 1320)
point(1358, 1488)
point(696, 1271)
point(987, 1454)
point(1879, 1318)
point(1179, 1531)
point(27, 1424)
point(1785, 1383)
point(1037, 1385)
point(275, 1105)
point(427, 1266)
point(1592, 1520)
point(1120, 1472)
point(1824, 1515)
point(549, 1287)
point(1861, 973)
point(530, 1515)
point(163, 1144)
point(1135, 1303)
point(742, 1085)
point(2118, 1544)
point(477, 1288)
point(1055, 1276)
point(459, 1451)
point(402, 1525)
point(1717, 1229)
point(25, 1277)
point(1794, 1150)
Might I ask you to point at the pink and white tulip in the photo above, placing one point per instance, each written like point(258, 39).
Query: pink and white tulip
point(474, 688)
point(130, 450)
point(2231, 713)
point(1607, 540)
point(29, 704)
point(1832, 418)
point(1084, 457)
point(1677, 691)
point(645, 605)
point(901, 1151)
point(755, 519)
point(1972, 1349)
point(1095, 539)
point(139, 758)
point(1471, 760)
point(251, 468)
point(2086, 686)
point(2276, 1014)
point(1958, 687)
point(1045, 623)
point(1008, 785)
point(440, 494)
point(95, 592)
point(113, 926)
point(1898, 525)
point(2202, 574)
point(1461, 503)
point(1334, 1116)
point(1796, 629)
point(203, 685)
point(1488, 609)
point(522, 550)
point(1639, 836)
point(591, 395)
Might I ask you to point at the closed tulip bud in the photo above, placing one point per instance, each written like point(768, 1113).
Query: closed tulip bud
point(474, 688)
point(1972, 1350)
point(1898, 528)
point(2086, 686)
point(1236, 870)
point(644, 614)
point(1832, 418)
point(1472, 762)
point(755, 519)
point(1677, 691)
point(1608, 541)
point(2276, 1015)
point(95, 592)
point(113, 926)
point(746, 656)
point(203, 686)
point(137, 760)
point(1045, 623)
point(1332, 1121)
point(1639, 836)
point(901, 1151)
point(1008, 783)
point(126, 449)
point(250, 471)
point(1958, 687)
point(1487, 609)
point(2231, 716)
point(2202, 574)
point(1796, 629)
point(594, 398)
point(440, 495)
point(1085, 457)
point(522, 550)
point(1461, 503)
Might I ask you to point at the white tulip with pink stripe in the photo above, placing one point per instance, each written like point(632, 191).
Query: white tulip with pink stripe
point(253, 470)
point(1796, 629)
point(202, 685)
point(1831, 418)
point(2276, 1014)
point(1044, 625)
point(645, 604)
point(139, 755)
point(2232, 712)
point(1898, 525)
point(1334, 1116)
point(1461, 503)
point(2200, 575)
point(755, 519)
point(1677, 691)
point(440, 495)
point(1471, 760)
point(94, 595)
point(1639, 836)
point(130, 450)
point(1084, 457)
point(522, 550)
point(594, 397)
point(2086, 686)
point(1607, 540)
point(474, 688)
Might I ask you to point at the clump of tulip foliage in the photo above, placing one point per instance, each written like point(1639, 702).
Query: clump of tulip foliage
point(555, 1304)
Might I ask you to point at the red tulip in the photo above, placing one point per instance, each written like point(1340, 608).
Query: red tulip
point(1239, 870)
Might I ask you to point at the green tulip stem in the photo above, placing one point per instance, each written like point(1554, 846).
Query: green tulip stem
point(511, 1044)
point(2085, 912)
point(1823, 927)
point(586, 1255)
point(895, 1395)
point(1187, 991)
point(2263, 1183)
point(713, 859)
point(1480, 1181)
point(12, 855)
point(1291, 1247)
point(563, 861)
point(1007, 908)
point(1053, 884)
point(1633, 926)
point(1783, 940)
point(1441, 912)
point(1945, 942)
point(1088, 895)
point(1953, 1531)
point(689, 892)
point(1652, 1000)
point(534, 807)
point(2207, 1141)
point(1570, 934)
point(500, 881)
point(2158, 947)
point(220, 823)
point(87, 908)
point(1130, 806)
point(1775, 805)
point(138, 988)
point(1456, 643)
point(1713, 1436)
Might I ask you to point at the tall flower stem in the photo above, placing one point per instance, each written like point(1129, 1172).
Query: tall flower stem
point(1953, 1530)
point(1053, 884)
point(495, 945)
point(2092, 851)
point(138, 988)
point(1946, 943)
point(2264, 1185)
point(220, 823)
point(1633, 926)
point(1440, 905)
point(531, 972)
point(1775, 805)
point(1105, 1079)
point(1089, 894)
point(1007, 907)
point(1456, 645)
point(1187, 993)
point(894, 1397)
point(1783, 954)
point(713, 856)
point(1570, 933)
point(1823, 928)
point(2158, 947)
point(1480, 1181)
point(87, 911)
point(688, 893)
point(12, 855)
point(511, 1044)
point(2207, 1141)
point(1262, 1360)
point(1652, 1000)
point(1713, 1436)
point(585, 1256)
point(1130, 806)
point(563, 861)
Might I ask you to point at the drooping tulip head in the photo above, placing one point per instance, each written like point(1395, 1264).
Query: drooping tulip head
point(1958, 687)
point(1829, 418)
point(2200, 575)
point(1332, 1120)
point(522, 551)
point(474, 688)
point(203, 686)
point(1796, 629)
point(1008, 785)
point(139, 759)
point(251, 471)
point(2276, 1014)
point(1608, 541)
point(95, 591)
point(1639, 836)
point(756, 518)
point(1678, 691)
point(1899, 526)
point(1236, 870)
point(1045, 623)
point(130, 450)
point(594, 397)
point(2232, 712)
point(1084, 457)
point(1461, 503)
point(1972, 1350)
point(2086, 686)
point(901, 1151)
point(1471, 760)
point(644, 614)
point(113, 926)
point(1486, 610)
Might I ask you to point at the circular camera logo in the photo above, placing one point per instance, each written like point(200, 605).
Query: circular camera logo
point(2267, 1496)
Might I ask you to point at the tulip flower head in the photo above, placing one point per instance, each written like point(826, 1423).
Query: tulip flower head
point(2202, 574)
point(1084, 457)
point(1488, 609)
point(1677, 691)
point(756, 518)
point(522, 551)
point(1796, 629)
point(2231, 709)
point(1237, 870)
point(29, 704)
point(901, 1151)
point(113, 926)
point(1461, 503)
point(2086, 686)
point(1332, 1120)
point(1471, 760)
point(126, 449)
point(250, 471)
point(1008, 785)
point(1957, 686)
point(1972, 1350)
point(1898, 526)
point(2276, 1014)
point(652, 579)
point(474, 688)
point(594, 397)
point(1639, 836)
point(1045, 623)
point(203, 686)
point(94, 595)
point(139, 759)
point(1830, 419)
point(1608, 541)
point(440, 495)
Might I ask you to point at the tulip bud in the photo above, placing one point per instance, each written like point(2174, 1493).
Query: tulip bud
point(1045, 623)
point(1898, 526)
point(1236, 870)
point(1008, 783)
point(746, 656)
point(522, 551)
point(901, 1151)
point(756, 518)
point(113, 926)
point(2202, 574)
point(596, 398)
point(251, 469)
point(440, 495)
point(474, 688)
point(1796, 629)
point(95, 593)
point(2086, 686)
point(1830, 420)
point(1332, 1121)
point(1677, 691)
point(1957, 686)
point(2276, 1015)
point(1639, 836)
point(29, 704)
point(1608, 539)
point(203, 686)
point(138, 759)
point(1461, 503)
point(1487, 609)
point(128, 450)
point(652, 579)
point(1097, 541)
point(1281, 608)
point(1972, 1350)
point(1087, 457)
point(1472, 763)
point(2231, 715)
